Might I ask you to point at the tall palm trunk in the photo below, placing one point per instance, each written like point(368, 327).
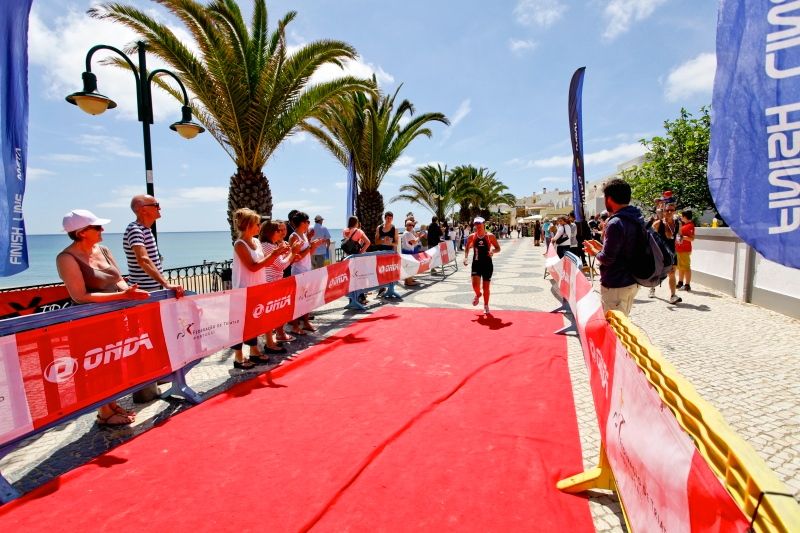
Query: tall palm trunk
point(370, 211)
point(248, 189)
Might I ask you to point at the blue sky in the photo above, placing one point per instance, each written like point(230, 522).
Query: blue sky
point(499, 70)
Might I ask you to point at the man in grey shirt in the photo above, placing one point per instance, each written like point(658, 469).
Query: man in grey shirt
point(320, 253)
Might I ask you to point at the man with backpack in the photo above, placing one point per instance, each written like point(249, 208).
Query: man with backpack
point(623, 233)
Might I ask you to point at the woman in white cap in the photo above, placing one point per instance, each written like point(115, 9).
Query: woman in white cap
point(91, 275)
point(485, 245)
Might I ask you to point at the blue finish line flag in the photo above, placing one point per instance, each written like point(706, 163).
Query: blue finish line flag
point(13, 133)
point(352, 186)
point(754, 157)
point(576, 136)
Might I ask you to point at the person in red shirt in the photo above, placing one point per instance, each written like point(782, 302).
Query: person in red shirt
point(683, 249)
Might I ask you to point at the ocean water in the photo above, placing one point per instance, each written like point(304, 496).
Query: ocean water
point(178, 249)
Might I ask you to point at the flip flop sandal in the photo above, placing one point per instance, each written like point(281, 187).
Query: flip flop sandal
point(259, 360)
point(288, 338)
point(122, 411)
point(115, 419)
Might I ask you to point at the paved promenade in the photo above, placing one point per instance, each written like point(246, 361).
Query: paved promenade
point(740, 357)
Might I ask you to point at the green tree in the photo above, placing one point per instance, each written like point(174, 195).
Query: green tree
point(249, 91)
point(432, 187)
point(371, 127)
point(678, 162)
point(469, 180)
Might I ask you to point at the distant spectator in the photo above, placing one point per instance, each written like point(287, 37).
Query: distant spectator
point(434, 232)
point(563, 236)
point(91, 275)
point(302, 262)
point(353, 232)
point(322, 234)
point(625, 228)
point(278, 255)
point(683, 249)
point(668, 227)
point(409, 243)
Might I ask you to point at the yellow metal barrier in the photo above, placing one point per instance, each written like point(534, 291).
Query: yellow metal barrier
point(745, 475)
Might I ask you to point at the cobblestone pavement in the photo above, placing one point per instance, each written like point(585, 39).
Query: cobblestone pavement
point(739, 357)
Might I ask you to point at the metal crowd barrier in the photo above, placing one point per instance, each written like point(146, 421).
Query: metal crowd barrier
point(355, 296)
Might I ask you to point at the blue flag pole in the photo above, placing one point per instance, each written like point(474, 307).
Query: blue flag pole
point(352, 186)
point(13, 133)
point(576, 137)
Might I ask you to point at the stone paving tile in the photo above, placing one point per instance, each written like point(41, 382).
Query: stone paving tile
point(739, 357)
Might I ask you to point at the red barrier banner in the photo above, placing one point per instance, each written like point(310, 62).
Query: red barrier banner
point(66, 367)
point(424, 260)
point(388, 268)
point(200, 325)
point(660, 480)
point(338, 281)
point(444, 252)
point(29, 301)
point(268, 306)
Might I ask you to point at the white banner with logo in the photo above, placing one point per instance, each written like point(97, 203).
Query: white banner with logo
point(197, 326)
point(310, 293)
point(15, 416)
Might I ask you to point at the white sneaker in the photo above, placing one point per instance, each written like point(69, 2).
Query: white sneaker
point(486, 310)
point(675, 299)
point(652, 293)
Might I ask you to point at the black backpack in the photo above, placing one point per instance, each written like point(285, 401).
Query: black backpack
point(652, 259)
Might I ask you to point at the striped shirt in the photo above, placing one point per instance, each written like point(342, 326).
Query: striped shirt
point(274, 271)
point(139, 235)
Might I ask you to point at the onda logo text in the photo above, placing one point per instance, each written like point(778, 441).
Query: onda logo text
point(63, 368)
point(271, 306)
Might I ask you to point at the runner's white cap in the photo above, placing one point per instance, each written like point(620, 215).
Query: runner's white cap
point(478, 220)
point(81, 218)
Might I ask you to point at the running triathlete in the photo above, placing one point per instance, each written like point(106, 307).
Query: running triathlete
point(485, 245)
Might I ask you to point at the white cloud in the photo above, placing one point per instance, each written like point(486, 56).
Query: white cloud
point(169, 198)
point(621, 14)
point(696, 76)
point(542, 13)
point(358, 68)
point(403, 166)
point(33, 173)
point(521, 46)
point(464, 109)
point(618, 154)
point(310, 190)
point(341, 185)
point(121, 196)
point(102, 144)
point(69, 158)
point(298, 138)
point(59, 47)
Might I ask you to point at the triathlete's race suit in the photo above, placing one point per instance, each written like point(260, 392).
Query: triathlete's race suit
point(481, 260)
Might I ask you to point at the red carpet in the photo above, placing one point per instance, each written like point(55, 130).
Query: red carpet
point(410, 419)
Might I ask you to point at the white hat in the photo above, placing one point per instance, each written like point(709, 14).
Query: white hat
point(478, 220)
point(81, 218)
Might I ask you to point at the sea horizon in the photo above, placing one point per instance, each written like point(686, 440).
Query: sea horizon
point(178, 249)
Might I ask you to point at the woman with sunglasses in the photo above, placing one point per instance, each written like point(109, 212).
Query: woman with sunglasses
point(91, 275)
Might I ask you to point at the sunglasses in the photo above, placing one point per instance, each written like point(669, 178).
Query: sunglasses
point(96, 228)
point(156, 205)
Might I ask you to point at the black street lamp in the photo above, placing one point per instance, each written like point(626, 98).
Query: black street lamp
point(94, 103)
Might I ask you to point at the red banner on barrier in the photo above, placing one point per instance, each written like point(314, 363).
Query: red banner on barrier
point(338, 281)
point(29, 301)
point(68, 366)
point(388, 267)
point(444, 251)
point(269, 306)
point(424, 262)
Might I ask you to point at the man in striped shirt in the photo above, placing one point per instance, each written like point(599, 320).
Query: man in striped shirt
point(144, 262)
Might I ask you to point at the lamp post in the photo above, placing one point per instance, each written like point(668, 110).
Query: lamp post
point(94, 103)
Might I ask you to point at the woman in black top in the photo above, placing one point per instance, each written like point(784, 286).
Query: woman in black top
point(386, 234)
point(434, 233)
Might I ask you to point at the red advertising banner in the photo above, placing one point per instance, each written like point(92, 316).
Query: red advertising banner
point(424, 262)
point(66, 367)
point(388, 267)
point(269, 306)
point(29, 301)
point(338, 281)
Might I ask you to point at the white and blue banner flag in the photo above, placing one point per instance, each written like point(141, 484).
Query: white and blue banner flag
point(352, 186)
point(576, 136)
point(754, 158)
point(13, 133)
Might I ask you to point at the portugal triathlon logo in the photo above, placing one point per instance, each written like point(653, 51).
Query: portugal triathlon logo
point(63, 368)
point(272, 305)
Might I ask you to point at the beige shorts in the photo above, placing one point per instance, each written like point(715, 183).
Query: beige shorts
point(684, 260)
point(619, 299)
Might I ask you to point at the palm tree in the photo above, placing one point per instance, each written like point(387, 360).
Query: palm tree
point(432, 187)
point(249, 92)
point(370, 127)
point(491, 192)
point(469, 180)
